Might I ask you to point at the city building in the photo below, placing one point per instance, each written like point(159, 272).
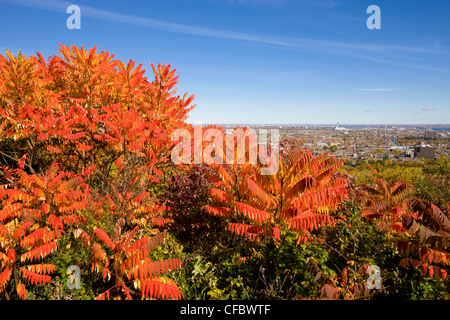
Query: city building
point(430, 135)
point(425, 151)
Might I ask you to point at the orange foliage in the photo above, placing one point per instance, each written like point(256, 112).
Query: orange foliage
point(130, 264)
point(69, 121)
point(32, 220)
point(299, 195)
point(85, 108)
point(421, 230)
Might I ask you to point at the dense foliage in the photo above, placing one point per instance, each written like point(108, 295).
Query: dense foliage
point(86, 180)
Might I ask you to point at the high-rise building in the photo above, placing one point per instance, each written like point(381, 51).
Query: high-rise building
point(429, 134)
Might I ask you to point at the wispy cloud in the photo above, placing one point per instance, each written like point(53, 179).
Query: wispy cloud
point(406, 56)
point(376, 89)
point(321, 3)
point(369, 110)
point(278, 3)
point(254, 3)
point(429, 109)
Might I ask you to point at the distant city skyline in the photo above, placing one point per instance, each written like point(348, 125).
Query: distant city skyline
point(266, 62)
point(380, 125)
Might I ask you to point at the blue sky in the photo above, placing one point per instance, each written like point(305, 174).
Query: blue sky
point(266, 61)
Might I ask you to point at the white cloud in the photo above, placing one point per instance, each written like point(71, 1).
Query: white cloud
point(429, 109)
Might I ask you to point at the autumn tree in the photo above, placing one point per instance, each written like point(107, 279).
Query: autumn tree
point(84, 140)
point(35, 210)
point(130, 266)
point(298, 196)
point(85, 110)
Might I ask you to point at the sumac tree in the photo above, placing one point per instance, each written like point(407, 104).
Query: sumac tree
point(299, 196)
point(84, 140)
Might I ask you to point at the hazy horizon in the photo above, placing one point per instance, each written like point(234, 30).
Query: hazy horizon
point(444, 125)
